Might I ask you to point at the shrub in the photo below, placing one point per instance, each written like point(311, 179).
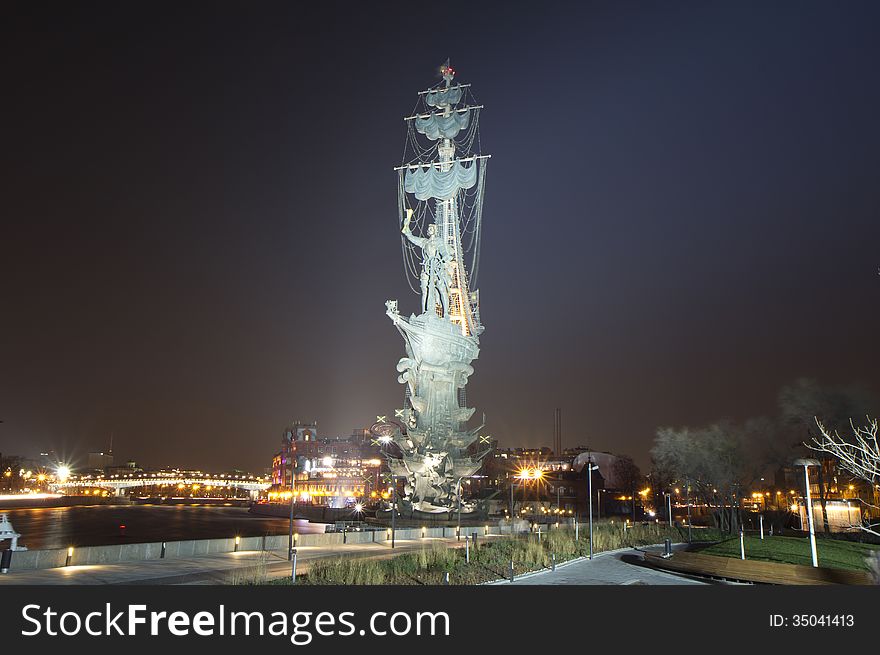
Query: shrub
point(492, 558)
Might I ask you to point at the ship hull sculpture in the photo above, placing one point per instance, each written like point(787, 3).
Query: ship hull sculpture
point(431, 448)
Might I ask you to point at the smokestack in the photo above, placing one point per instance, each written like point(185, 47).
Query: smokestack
point(557, 433)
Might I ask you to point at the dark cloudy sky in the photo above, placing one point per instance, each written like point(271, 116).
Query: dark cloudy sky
point(199, 216)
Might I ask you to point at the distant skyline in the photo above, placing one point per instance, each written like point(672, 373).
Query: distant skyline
point(200, 229)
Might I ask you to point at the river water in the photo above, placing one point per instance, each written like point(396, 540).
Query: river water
point(97, 525)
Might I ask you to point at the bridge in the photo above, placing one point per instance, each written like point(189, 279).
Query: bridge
point(177, 480)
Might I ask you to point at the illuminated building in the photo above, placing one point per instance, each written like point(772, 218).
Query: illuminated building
point(329, 471)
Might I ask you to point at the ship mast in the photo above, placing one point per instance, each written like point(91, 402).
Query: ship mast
point(454, 180)
point(460, 311)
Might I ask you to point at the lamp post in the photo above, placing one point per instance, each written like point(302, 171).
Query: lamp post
point(590, 469)
point(292, 494)
point(458, 531)
point(807, 463)
point(524, 475)
point(458, 495)
point(535, 512)
point(522, 485)
point(512, 484)
point(688, 499)
point(668, 507)
point(394, 506)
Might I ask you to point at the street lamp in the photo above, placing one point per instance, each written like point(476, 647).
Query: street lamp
point(512, 485)
point(688, 500)
point(525, 475)
point(394, 506)
point(458, 531)
point(668, 507)
point(590, 468)
point(807, 463)
point(292, 489)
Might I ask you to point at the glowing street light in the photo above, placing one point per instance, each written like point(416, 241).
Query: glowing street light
point(459, 501)
point(590, 468)
point(530, 473)
point(807, 463)
point(62, 472)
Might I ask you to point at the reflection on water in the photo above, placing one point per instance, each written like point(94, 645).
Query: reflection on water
point(60, 527)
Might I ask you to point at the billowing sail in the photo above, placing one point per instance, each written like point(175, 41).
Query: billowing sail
point(448, 127)
point(431, 182)
point(444, 97)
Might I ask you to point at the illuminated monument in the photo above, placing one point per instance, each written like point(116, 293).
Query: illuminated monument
point(440, 202)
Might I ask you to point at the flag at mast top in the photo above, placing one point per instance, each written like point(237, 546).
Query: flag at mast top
point(448, 72)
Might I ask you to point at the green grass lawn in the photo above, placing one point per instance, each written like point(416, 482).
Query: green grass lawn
point(796, 550)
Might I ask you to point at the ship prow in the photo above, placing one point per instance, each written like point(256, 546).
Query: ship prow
point(435, 341)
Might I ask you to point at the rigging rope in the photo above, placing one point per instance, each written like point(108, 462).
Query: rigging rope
point(469, 202)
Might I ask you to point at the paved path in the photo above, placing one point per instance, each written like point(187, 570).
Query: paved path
point(221, 568)
point(617, 567)
point(620, 567)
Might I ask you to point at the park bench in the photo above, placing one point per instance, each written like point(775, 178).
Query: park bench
point(730, 568)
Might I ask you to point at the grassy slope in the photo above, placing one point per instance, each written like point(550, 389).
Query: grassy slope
point(796, 550)
point(490, 561)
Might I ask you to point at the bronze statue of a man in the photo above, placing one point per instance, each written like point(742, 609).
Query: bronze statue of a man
point(435, 278)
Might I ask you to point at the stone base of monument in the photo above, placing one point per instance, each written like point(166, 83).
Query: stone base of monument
point(417, 519)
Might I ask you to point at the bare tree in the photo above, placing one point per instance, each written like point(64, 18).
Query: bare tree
point(860, 455)
point(803, 400)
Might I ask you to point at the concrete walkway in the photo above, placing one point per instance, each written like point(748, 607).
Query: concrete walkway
point(221, 568)
point(619, 567)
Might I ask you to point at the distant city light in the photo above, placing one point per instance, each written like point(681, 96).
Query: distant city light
point(62, 473)
point(31, 496)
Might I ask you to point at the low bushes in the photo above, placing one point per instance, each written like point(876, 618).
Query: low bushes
point(492, 558)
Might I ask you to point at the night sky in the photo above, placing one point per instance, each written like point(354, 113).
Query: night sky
point(200, 218)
